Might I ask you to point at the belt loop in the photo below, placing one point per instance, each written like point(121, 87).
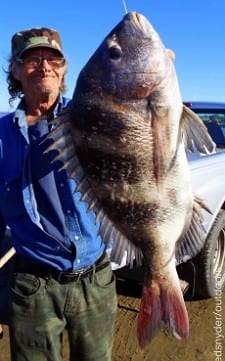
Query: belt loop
point(79, 276)
point(93, 274)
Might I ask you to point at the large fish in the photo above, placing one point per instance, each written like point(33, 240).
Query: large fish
point(125, 138)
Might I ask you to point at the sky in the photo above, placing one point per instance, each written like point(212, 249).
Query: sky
point(194, 29)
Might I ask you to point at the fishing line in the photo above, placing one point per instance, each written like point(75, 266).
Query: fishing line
point(125, 6)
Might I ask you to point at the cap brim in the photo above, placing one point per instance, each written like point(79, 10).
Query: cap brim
point(40, 46)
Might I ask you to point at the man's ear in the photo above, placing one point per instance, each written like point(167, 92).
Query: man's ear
point(15, 70)
point(171, 54)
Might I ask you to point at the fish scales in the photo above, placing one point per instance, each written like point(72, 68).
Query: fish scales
point(130, 133)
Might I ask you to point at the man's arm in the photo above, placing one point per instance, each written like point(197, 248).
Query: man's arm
point(2, 231)
point(6, 251)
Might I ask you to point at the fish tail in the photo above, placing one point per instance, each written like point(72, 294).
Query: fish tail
point(162, 302)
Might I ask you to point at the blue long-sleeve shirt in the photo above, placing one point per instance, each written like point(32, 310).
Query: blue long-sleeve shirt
point(48, 222)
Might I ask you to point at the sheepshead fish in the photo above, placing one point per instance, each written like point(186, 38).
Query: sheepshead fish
point(124, 139)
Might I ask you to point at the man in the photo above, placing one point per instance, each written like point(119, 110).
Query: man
point(62, 276)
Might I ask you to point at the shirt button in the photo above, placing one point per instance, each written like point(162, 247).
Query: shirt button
point(68, 211)
point(78, 261)
point(76, 237)
point(8, 189)
point(61, 184)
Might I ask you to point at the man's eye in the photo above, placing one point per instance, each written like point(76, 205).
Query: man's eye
point(33, 60)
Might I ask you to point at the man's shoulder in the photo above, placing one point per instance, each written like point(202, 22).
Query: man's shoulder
point(6, 119)
point(65, 102)
point(7, 115)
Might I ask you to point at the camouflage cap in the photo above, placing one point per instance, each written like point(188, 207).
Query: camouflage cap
point(34, 38)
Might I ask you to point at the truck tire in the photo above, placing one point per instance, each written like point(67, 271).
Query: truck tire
point(210, 263)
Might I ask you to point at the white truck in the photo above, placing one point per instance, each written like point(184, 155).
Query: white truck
point(208, 179)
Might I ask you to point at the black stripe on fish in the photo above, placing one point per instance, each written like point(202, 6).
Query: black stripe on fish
point(100, 122)
point(134, 213)
point(111, 167)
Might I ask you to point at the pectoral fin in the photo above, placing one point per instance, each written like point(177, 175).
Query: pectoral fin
point(195, 134)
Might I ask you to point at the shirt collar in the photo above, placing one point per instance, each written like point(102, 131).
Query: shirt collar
point(20, 113)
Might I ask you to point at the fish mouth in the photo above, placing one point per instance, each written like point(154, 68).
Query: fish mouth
point(140, 21)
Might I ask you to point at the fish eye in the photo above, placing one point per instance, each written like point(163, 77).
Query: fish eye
point(115, 53)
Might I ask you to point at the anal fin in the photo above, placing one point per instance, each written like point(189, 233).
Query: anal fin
point(192, 241)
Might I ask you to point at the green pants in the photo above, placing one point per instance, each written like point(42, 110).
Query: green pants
point(42, 308)
point(5, 279)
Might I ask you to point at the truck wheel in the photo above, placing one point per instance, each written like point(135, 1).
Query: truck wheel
point(210, 263)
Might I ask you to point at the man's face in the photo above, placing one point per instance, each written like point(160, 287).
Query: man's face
point(40, 72)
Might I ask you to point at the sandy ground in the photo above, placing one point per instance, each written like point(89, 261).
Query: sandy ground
point(207, 331)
